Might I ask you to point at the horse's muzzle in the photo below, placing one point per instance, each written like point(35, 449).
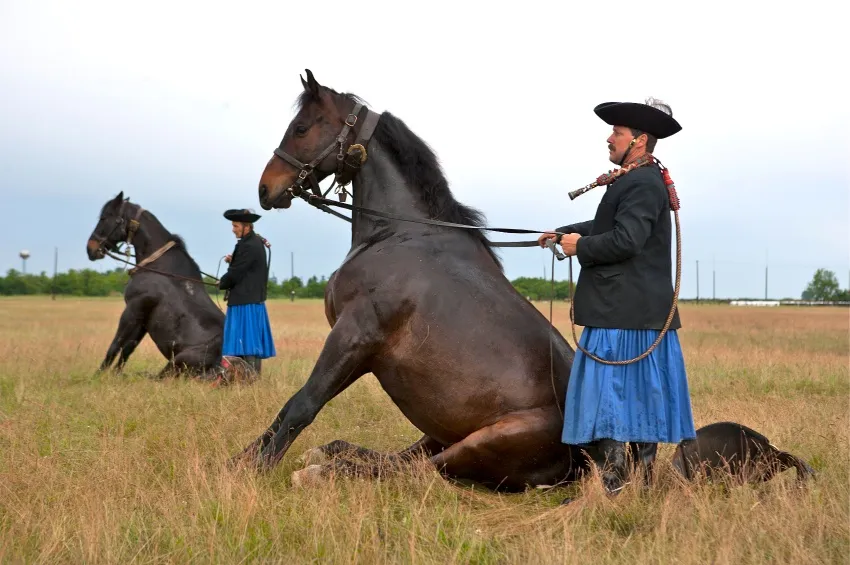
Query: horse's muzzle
point(95, 250)
point(282, 200)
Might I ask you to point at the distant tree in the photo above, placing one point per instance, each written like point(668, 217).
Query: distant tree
point(541, 289)
point(290, 286)
point(314, 288)
point(823, 286)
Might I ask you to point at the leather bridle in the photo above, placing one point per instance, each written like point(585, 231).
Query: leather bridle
point(348, 160)
point(132, 227)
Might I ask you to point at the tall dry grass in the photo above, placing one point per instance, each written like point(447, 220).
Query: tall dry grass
point(124, 469)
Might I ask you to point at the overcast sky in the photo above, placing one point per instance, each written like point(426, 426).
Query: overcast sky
point(180, 104)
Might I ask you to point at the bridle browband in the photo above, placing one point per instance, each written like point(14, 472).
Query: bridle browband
point(348, 160)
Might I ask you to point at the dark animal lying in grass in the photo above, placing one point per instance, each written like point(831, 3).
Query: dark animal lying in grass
point(728, 449)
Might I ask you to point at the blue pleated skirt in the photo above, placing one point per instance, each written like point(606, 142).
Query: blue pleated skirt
point(247, 331)
point(646, 401)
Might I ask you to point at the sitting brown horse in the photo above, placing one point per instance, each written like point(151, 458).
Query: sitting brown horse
point(422, 305)
point(426, 309)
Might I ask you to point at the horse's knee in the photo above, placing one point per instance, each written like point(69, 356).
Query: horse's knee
point(302, 412)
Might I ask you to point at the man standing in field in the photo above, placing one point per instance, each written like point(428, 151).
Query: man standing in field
point(623, 297)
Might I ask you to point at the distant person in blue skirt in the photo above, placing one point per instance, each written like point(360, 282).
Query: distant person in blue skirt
point(623, 297)
point(247, 331)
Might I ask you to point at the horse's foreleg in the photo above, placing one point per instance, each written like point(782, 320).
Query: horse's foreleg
point(343, 360)
point(128, 326)
point(130, 345)
point(425, 446)
point(345, 459)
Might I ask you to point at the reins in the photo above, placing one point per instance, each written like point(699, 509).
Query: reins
point(323, 203)
point(319, 201)
point(143, 266)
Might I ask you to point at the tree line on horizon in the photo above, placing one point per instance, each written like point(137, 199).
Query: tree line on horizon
point(88, 282)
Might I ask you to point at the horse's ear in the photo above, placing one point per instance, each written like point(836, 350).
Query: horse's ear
point(311, 84)
point(119, 198)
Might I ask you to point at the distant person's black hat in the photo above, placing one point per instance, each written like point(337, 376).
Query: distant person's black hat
point(243, 215)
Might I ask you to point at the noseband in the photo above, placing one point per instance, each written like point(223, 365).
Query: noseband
point(348, 161)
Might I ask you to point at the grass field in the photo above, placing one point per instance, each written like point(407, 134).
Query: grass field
point(123, 469)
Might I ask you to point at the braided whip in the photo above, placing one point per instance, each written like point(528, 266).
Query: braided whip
point(674, 206)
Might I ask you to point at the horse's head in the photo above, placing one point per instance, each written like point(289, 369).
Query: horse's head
point(113, 227)
point(313, 145)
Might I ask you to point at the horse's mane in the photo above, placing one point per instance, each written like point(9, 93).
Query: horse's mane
point(420, 167)
point(181, 244)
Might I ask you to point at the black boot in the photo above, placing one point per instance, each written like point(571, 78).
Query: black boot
point(643, 458)
point(610, 459)
point(254, 362)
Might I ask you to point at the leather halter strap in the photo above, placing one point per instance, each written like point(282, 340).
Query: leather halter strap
point(306, 171)
point(134, 224)
point(153, 257)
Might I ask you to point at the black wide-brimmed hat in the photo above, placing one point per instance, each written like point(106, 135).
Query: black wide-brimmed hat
point(643, 117)
point(243, 215)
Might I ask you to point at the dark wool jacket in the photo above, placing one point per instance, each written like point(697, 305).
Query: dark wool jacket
point(626, 278)
point(246, 277)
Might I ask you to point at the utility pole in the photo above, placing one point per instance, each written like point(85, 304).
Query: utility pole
point(765, 274)
point(55, 267)
point(713, 280)
point(697, 281)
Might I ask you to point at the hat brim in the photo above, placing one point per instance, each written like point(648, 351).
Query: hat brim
point(638, 116)
point(241, 216)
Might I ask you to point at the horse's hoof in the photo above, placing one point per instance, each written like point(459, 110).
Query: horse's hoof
point(308, 477)
point(312, 457)
point(248, 458)
point(240, 461)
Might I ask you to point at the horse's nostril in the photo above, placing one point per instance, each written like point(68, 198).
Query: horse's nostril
point(264, 191)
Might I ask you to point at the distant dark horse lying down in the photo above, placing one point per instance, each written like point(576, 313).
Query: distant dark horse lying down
point(178, 313)
point(425, 308)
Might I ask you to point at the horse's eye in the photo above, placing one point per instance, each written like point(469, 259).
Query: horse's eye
point(300, 130)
